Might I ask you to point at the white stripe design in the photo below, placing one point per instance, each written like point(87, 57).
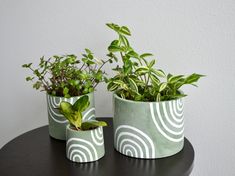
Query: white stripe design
point(129, 153)
point(174, 124)
point(87, 148)
point(97, 136)
point(165, 115)
point(58, 117)
point(134, 137)
point(140, 154)
point(81, 156)
point(178, 119)
point(180, 104)
point(90, 112)
point(177, 111)
point(125, 149)
point(163, 128)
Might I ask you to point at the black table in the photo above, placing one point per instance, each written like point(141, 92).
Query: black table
point(36, 154)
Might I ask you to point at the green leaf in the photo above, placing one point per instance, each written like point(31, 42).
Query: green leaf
point(169, 76)
point(162, 86)
point(124, 40)
point(115, 48)
point(90, 56)
point(88, 51)
point(159, 73)
point(112, 87)
point(119, 82)
point(154, 79)
point(193, 78)
point(66, 108)
point(127, 68)
point(88, 61)
point(125, 30)
point(142, 70)
point(113, 26)
point(145, 55)
point(81, 104)
point(77, 122)
point(151, 64)
point(37, 85)
point(65, 90)
point(29, 78)
point(174, 79)
point(133, 54)
point(37, 73)
point(133, 85)
point(115, 43)
point(26, 65)
point(92, 124)
point(158, 98)
point(75, 118)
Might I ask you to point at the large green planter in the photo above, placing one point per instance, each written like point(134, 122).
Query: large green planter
point(148, 129)
point(57, 122)
point(84, 146)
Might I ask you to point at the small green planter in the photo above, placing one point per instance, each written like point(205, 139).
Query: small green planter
point(84, 146)
point(57, 122)
point(148, 129)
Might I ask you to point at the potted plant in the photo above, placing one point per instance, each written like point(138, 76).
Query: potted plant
point(148, 104)
point(67, 78)
point(85, 142)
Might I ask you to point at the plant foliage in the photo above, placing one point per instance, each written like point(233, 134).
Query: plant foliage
point(74, 114)
point(66, 75)
point(138, 79)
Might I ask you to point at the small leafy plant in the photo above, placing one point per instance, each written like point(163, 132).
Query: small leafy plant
point(74, 114)
point(138, 79)
point(66, 75)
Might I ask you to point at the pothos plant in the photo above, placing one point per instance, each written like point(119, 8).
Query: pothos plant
point(74, 114)
point(66, 75)
point(137, 78)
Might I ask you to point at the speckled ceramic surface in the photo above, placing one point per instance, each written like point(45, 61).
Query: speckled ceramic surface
point(57, 122)
point(84, 146)
point(148, 129)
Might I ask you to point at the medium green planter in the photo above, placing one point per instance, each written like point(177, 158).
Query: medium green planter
point(148, 129)
point(57, 122)
point(84, 146)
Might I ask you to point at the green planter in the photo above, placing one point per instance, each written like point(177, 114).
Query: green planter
point(84, 146)
point(57, 122)
point(148, 129)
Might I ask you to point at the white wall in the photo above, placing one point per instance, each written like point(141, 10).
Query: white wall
point(186, 36)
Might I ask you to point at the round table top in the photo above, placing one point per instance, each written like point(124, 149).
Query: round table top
point(35, 153)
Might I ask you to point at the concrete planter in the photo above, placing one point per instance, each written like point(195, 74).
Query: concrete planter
point(57, 122)
point(84, 146)
point(148, 129)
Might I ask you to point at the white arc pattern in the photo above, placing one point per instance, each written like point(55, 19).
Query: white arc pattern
point(81, 147)
point(53, 113)
point(168, 126)
point(81, 156)
point(141, 153)
point(124, 149)
point(58, 117)
point(167, 117)
point(97, 136)
point(86, 116)
point(168, 120)
point(132, 141)
point(175, 117)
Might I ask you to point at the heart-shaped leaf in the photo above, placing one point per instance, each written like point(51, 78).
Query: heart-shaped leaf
point(81, 104)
